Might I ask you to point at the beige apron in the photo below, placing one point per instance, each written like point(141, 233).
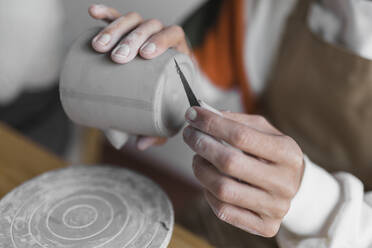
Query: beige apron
point(321, 95)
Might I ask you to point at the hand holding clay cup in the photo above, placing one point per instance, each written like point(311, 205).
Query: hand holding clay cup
point(250, 187)
point(128, 36)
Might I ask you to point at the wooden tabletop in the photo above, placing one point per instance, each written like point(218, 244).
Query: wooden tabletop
point(21, 160)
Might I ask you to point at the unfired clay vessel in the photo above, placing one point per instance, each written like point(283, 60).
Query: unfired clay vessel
point(86, 207)
point(143, 97)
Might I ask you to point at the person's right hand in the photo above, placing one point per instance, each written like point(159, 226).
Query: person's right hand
point(249, 179)
point(129, 35)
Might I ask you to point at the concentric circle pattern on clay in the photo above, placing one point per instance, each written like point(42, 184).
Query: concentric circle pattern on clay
point(86, 207)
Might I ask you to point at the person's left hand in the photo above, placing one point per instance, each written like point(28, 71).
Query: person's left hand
point(127, 36)
point(250, 187)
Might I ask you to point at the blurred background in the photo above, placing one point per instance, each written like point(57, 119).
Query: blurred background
point(168, 11)
point(35, 38)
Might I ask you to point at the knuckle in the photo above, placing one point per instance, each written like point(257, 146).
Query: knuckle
point(229, 161)
point(134, 15)
point(132, 37)
point(291, 190)
point(238, 138)
point(222, 190)
point(281, 209)
point(154, 22)
point(207, 124)
point(177, 29)
point(270, 228)
point(115, 26)
point(288, 189)
point(118, 21)
point(222, 212)
point(259, 119)
point(295, 153)
point(200, 143)
point(262, 206)
point(284, 208)
point(160, 39)
point(109, 30)
point(278, 186)
point(299, 161)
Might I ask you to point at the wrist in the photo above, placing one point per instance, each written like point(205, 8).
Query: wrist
point(314, 202)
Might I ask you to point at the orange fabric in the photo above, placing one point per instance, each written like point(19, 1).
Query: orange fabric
point(221, 56)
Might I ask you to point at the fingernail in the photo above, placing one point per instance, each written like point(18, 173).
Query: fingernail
point(143, 144)
point(122, 51)
point(149, 48)
point(191, 114)
point(104, 39)
point(99, 7)
point(253, 232)
point(187, 132)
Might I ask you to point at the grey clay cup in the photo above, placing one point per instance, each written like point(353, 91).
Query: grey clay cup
point(142, 97)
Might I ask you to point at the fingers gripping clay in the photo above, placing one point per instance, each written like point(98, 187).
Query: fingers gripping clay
point(142, 97)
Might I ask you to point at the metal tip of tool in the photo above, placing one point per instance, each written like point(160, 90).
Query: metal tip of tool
point(190, 94)
point(177, 67)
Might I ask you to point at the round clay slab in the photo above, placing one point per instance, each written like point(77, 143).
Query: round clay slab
point(86, 207)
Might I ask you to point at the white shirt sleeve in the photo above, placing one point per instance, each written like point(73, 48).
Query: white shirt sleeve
point(328, 211)
point(344, 22)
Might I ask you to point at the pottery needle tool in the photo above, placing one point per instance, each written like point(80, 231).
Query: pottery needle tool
point(190, 94)
point(199, 103)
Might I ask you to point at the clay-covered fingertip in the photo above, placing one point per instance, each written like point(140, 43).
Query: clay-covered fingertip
point(142, 146)
point(97, 48)
point(118, 59)
point(91, 10)
point(95, 11)
point(146, 55)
